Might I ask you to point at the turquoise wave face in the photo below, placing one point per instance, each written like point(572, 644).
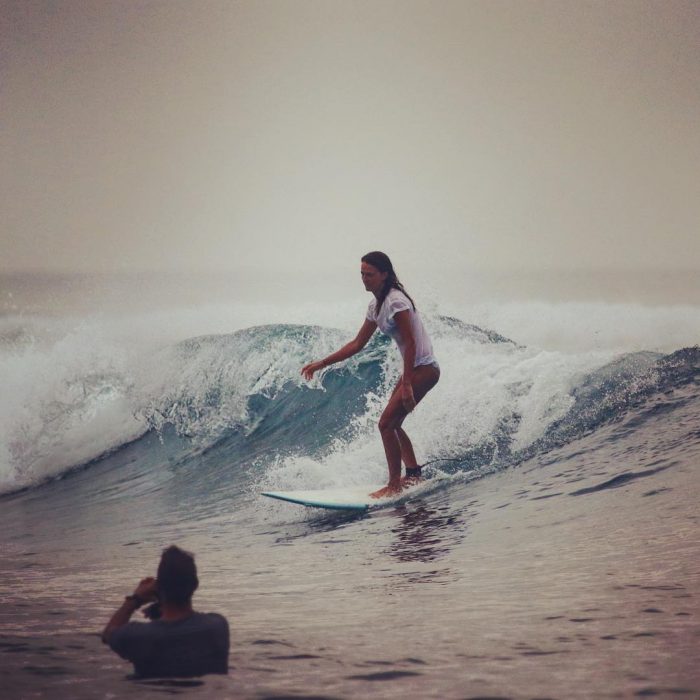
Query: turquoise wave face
point(287, 419)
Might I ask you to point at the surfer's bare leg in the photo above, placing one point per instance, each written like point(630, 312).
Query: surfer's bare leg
point(392, 450)
point(389, 427)
point(423, 380)
point(408, 456)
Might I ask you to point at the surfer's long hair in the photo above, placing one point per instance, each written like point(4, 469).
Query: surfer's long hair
point(381, 261)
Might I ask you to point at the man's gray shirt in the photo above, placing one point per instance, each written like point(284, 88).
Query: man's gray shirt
point(194, 646)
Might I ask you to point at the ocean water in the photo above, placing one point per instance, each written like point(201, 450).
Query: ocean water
point(553, 553)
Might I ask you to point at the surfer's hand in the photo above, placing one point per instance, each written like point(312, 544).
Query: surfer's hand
point(308, 370)
point(407, 397)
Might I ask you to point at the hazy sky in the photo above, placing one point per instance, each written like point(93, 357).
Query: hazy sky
point(486, 134)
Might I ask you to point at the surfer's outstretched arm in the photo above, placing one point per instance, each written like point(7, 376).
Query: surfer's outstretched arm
point(352, 348)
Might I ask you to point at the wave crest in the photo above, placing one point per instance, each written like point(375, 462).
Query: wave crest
point(84, 394)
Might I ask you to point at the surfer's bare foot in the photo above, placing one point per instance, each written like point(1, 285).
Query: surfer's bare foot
point(391, 489)
point(407, 481)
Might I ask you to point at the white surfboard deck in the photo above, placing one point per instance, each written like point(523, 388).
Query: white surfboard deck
point(351, 498)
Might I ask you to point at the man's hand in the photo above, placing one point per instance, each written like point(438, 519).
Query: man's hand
point(147, 590)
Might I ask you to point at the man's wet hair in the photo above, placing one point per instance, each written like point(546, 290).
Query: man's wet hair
point(177, 576)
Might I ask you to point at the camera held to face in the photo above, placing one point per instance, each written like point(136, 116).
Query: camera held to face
point(154, 610)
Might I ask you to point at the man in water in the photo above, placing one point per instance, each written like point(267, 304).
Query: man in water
point(177, 641)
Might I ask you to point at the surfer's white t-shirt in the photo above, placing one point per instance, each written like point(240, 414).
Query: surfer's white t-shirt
point(397, 301)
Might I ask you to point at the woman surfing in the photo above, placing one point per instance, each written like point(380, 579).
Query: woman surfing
point(393, 310)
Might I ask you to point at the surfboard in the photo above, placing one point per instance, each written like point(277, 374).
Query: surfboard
point(353, 498)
